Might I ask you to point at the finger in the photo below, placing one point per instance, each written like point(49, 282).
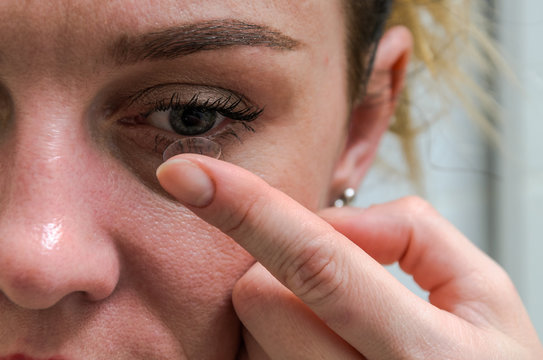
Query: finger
point(281, 324)
point(252, 349)
point(459, 277)
point(346, 288)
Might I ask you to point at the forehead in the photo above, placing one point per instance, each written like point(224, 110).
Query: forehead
point(69, 30)
point(57, 14)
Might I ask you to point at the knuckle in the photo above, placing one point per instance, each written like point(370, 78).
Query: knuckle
point(419, 213)
point(416, 206)
point(315, 275)
point(495, 280)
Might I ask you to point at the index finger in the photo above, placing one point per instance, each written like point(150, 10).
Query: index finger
point(343, 285)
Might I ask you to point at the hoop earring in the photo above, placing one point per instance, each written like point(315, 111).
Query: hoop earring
point(346, 198)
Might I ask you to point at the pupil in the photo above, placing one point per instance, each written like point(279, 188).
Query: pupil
point(192, 121)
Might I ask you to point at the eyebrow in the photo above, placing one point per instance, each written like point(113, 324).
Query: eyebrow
point(171, 43)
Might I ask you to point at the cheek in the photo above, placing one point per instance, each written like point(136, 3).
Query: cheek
point(177, 263)
point(174, 265)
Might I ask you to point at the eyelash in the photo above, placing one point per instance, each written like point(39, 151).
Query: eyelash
point(226, 106)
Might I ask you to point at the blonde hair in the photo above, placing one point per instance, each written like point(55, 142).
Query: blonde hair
point(446, 33)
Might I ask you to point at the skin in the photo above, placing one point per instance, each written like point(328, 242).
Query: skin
point(104, 264)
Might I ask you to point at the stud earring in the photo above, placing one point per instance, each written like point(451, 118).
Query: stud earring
point(346, 198)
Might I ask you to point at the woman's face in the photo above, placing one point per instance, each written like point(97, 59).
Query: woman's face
point(96, 261)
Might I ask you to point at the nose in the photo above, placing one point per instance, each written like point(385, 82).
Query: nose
point(51, 242)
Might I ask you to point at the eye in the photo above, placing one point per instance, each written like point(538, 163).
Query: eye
point(185, 120)
point(160, 115)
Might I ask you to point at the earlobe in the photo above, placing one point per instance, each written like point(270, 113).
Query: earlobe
point(371, 116)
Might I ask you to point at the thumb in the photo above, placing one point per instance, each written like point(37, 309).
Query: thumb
point(251, 349)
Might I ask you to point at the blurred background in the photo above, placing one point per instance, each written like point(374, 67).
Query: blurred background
point(492, 193)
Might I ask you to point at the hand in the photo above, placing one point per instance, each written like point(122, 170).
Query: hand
point(330, 298)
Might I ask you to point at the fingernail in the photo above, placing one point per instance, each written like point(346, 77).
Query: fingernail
point(187, 182)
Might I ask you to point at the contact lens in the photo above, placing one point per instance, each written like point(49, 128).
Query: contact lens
point(193, 145)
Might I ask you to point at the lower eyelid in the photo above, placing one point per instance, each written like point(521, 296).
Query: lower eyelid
point(148, 137)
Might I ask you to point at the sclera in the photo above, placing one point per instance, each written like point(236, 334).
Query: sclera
point(193, 145)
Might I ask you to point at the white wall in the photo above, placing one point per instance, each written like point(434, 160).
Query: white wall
point(494, 198)
point(454, 159)
point(519, 225)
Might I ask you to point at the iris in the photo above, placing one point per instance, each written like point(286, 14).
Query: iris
point(192, 121)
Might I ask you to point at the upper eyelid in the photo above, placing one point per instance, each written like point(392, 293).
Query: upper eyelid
point(228, 102)
point(228, 106)
point(177, 88)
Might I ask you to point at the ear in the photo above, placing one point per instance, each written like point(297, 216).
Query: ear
point(370, 117)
